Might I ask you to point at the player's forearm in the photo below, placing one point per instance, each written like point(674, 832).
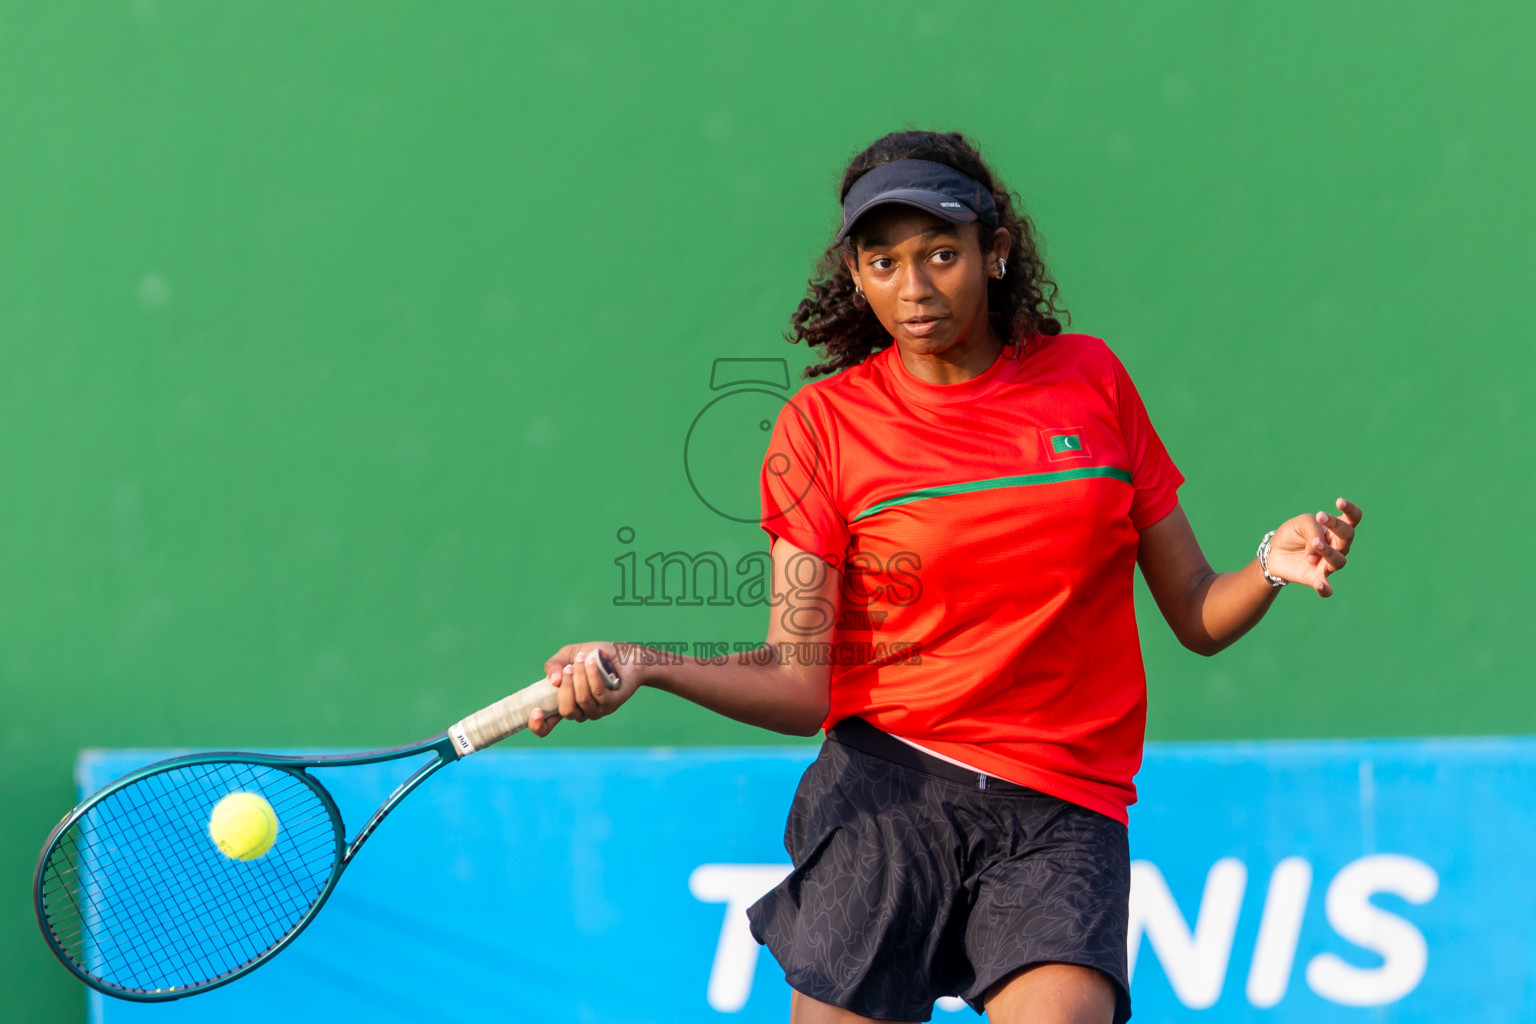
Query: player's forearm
point(785, 698)
point(1223, 606)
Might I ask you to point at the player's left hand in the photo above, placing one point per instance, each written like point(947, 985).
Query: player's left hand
point(1308, 549)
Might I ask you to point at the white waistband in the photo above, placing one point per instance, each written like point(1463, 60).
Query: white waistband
point(942, 757)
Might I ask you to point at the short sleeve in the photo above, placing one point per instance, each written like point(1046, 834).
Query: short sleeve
point(1154, 476)
point(798, 500)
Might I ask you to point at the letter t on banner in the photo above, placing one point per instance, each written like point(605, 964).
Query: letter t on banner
point(738, 886)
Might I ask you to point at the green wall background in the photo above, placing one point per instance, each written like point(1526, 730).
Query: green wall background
point(338, 341)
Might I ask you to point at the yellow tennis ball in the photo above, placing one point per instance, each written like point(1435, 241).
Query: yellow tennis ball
point(243, 826)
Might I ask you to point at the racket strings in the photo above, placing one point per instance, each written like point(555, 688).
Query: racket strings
point(177, 946)
point(185, 890)
point(137, 894)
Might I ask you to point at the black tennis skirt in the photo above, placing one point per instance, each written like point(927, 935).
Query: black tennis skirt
point(911, 881)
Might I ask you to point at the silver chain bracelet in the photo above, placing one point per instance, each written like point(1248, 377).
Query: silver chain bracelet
point(1274, 581)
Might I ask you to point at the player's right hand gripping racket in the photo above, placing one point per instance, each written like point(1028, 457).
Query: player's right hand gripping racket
point(136, 898)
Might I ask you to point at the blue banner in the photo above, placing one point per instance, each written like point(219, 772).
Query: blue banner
point(1273, 882)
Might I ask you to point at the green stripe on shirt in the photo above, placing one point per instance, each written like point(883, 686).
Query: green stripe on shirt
point(1026, 480)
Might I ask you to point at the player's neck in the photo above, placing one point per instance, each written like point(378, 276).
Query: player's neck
point(968, 357)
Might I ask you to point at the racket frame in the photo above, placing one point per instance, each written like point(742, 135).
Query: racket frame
point(444, 745)
point(297, 765)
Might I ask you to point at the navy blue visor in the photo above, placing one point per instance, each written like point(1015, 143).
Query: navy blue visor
point(937, 188)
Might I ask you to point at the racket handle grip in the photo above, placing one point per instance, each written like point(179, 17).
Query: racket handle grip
point(493, 724)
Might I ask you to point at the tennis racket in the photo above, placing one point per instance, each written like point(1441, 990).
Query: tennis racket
point(134, 896)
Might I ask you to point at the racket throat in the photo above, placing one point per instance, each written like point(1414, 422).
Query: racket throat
point(415, 779)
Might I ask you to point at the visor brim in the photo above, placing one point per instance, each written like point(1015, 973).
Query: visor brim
point(930, 202)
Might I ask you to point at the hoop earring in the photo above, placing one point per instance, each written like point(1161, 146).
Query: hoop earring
point(1002, 269)
point(858, 297)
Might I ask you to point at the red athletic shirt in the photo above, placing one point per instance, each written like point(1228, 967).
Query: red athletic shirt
point(986, 532)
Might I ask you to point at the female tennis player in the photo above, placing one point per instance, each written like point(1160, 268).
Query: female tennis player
point(954, 514)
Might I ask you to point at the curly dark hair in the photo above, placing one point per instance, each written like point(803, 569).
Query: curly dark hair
point(1020, 305)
